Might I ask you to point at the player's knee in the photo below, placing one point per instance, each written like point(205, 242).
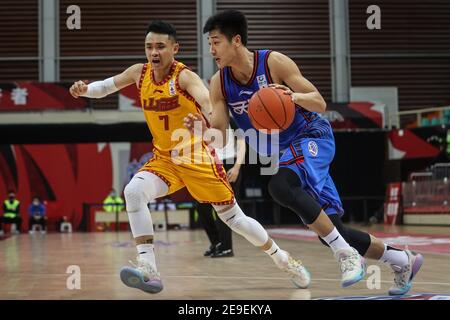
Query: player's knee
point(279, 189)
point(231, 215)
point(285, 187)
point(134, 195)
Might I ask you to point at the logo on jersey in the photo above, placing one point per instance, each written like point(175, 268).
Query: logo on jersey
point(313, 148)
point(239, 107)
point(262, 81)
point(172, 90)
point(249, 93)
point(163, 104)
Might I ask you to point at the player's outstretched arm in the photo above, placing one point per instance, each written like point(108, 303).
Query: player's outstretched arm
point(100, 89)
point(303, 92)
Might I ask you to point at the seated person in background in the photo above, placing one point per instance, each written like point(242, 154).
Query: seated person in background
point(113, 203)
point(36, 210)
point(11, 214)
point(64, 225)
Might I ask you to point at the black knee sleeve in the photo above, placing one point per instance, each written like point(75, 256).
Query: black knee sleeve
point(355, 238)
point(285, 188)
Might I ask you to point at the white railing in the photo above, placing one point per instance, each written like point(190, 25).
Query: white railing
point(426, 193)
point(430, 188)
point(421, 176)
point(441, 171)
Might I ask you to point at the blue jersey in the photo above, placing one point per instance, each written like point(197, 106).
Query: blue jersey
point(238, 95)
point(307, 145)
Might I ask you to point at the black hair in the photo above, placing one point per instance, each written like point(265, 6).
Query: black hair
point(162, 27)
point(230, 23)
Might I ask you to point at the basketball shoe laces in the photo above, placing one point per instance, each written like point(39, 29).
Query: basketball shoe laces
point(348, 262)
point(146, 268)
point(295, 268)
point(401, 275)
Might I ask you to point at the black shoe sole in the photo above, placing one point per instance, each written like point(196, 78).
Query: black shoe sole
point(219, 255)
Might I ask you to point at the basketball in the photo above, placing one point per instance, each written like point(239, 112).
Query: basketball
point(271, 109)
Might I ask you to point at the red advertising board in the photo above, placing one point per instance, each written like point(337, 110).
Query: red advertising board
point(29, 96)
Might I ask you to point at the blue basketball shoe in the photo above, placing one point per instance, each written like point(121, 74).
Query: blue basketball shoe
point(143, 276)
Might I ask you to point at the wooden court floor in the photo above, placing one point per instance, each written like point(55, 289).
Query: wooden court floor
point(35, 267)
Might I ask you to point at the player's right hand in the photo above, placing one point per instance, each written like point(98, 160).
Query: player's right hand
point(195, 122)
point(78, 88)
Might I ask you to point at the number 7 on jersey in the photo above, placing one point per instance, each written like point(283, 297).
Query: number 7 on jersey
point(165, 118)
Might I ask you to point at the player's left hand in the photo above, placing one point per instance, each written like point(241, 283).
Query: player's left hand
point(191, 122)
point(233, 174)
point(295, 96)
point(286, 89)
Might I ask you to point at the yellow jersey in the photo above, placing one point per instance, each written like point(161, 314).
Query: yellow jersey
point(165, 105)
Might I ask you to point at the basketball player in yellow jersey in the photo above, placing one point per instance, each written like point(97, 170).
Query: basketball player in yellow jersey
point(169, 92)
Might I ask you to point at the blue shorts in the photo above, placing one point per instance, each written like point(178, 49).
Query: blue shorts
point(309, 155)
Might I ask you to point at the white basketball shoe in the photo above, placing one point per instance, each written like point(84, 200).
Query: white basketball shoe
point(352, 266)
point(403, 276)
point(299, 275)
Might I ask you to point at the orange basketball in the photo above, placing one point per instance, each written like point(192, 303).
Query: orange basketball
point(271, 109)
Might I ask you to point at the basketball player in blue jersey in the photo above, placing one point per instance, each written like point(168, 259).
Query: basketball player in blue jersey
point(302, 182)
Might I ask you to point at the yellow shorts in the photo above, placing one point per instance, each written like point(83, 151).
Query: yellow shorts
point(205, 180)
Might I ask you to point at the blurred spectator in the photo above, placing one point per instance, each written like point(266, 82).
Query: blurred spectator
point(11, 207)
point(64, 225)
point(113, 202)
point(36, 211)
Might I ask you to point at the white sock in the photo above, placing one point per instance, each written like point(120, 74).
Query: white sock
point(393, 256)
point(336, 241)
point(146, 251)
point(280, 257)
